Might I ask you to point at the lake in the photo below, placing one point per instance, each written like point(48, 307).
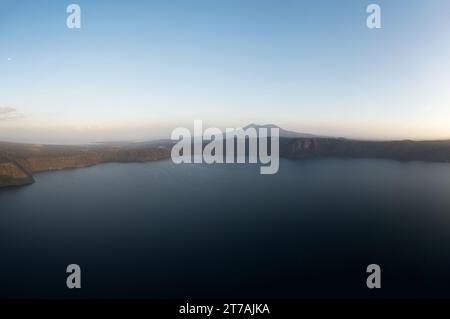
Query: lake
point(159, 230)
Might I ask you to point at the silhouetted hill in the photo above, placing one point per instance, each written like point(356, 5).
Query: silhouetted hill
point(283, 132)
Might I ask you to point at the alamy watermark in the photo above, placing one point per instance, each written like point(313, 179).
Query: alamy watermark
point(214, 146)
point(374, 279)
point(74, 279)
point(73, 20)
point(374, 19)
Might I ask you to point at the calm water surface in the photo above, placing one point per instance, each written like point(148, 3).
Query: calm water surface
point(160, 230)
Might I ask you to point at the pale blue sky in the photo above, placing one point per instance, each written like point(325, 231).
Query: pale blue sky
point(137, 69)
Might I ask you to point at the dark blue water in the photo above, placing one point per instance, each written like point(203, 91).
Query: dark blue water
point(159, 230)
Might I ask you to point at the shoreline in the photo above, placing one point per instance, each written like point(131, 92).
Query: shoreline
point(18, 162)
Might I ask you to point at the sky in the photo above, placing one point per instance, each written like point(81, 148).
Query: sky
point(136, 70)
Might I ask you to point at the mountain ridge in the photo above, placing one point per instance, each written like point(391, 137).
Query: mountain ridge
point(283, 132)
point(19, 161)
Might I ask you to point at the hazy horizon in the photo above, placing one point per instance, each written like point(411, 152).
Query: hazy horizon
point(138, 69)
point(148, 138)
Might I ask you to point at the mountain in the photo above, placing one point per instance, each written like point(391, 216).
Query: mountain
point(283, 132)
point(19, 161)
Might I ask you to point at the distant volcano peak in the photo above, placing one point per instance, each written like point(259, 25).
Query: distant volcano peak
point(283, 132)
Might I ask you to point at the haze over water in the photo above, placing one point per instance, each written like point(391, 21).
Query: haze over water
point(161, 230)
